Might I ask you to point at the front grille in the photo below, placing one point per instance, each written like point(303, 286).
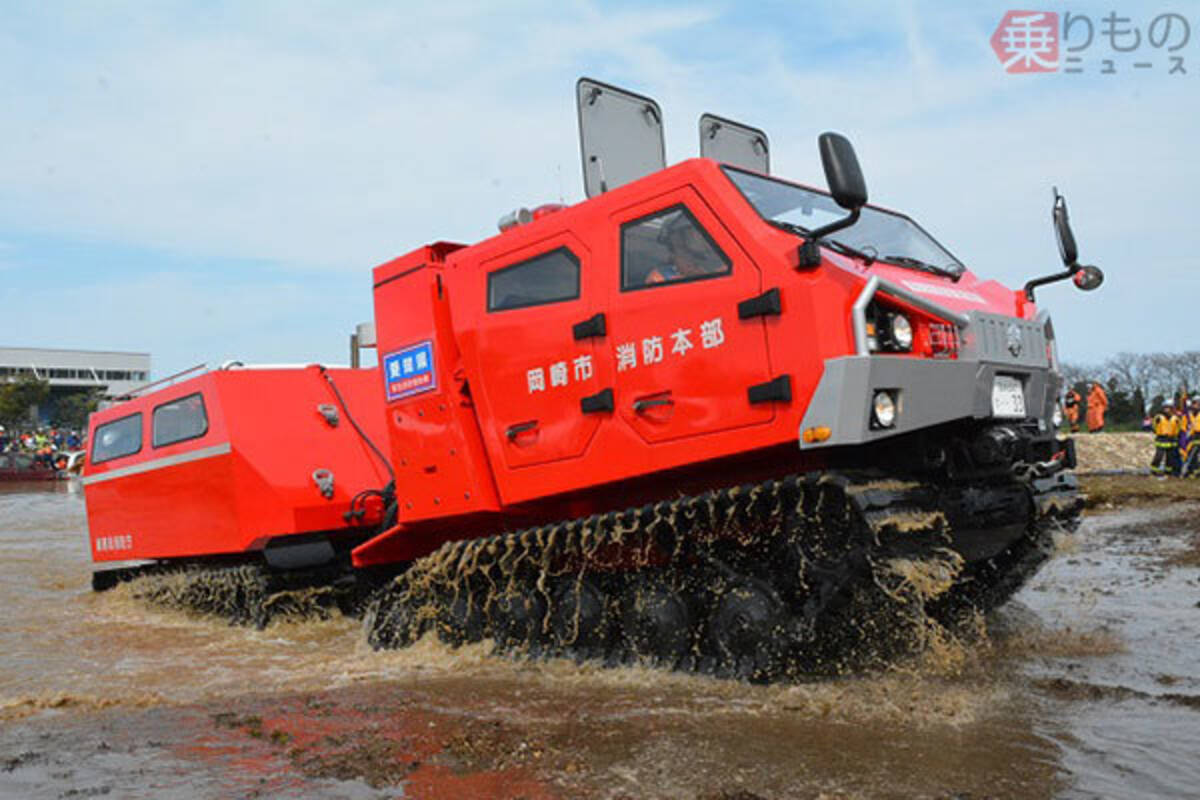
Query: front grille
point(988, 338)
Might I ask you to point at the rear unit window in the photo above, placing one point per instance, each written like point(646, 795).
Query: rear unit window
point(122, 437)
point(548, 278)
point(180, 420)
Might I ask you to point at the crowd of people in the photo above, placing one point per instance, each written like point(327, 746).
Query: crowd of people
point(1097, 406)
point(48, 446)
point(1176, 429)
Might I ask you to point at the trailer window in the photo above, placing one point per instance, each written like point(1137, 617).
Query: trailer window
point(180, 420)
point(548, 278)
point(122, 437)
point(668, 247)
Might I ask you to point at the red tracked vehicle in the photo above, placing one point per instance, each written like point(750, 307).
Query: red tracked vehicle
point(702, 417)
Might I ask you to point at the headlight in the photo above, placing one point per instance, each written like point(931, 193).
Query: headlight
point(1058, 418)
point(885, 409)
point(901, 332)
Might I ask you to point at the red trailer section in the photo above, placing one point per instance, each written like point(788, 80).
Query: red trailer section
point(233, 459)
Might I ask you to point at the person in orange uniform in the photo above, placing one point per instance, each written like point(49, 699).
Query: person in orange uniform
point(1191, 455)
point(1097, 404)
point(1166, 439)
point(1071, 409)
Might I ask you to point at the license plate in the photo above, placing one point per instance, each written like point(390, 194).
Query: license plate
point(1008, 397)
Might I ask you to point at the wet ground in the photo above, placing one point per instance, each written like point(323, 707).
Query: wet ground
point(1087, 685)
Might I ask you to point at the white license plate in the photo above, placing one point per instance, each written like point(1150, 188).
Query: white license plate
point(1008, 397)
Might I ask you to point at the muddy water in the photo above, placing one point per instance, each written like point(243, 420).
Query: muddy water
point(1087, 685)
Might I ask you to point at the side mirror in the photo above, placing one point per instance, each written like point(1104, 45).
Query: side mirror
point(1088, 278)
point(846, 186)
point(842, 173)
point(1062, 227)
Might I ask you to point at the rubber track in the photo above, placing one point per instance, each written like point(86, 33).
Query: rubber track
point(773, 580)
point(252, 593)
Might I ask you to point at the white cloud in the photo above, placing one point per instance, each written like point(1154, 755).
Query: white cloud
point(185, 318)
point(329, 140)
point(326, 140)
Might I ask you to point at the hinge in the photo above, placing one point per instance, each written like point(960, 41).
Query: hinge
point(600, 401)
point(766, 304)
point(775, 390)
point(590, 327)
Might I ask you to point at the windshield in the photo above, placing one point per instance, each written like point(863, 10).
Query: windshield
point(878, 234)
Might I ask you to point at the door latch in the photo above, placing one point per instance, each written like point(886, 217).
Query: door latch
point(595, 403)
point(590, 328)
point(766, 304)
point(777, 390)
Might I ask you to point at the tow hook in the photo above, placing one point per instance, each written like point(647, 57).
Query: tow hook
point(1024, 471)
point(323, 478)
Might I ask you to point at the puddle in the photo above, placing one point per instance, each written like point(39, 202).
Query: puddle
point(1085, 685)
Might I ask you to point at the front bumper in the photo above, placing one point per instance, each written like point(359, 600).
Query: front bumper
point(928, 393)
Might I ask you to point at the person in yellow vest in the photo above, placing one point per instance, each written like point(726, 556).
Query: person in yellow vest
point(1166, 438)
point(1191, 453)
point(1183, 422)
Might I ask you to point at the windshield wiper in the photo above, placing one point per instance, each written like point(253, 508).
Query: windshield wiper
point(916, 263)
point(789, 227)
point(838, 247)
point(867, 258)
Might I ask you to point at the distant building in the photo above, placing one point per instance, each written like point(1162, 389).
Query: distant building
point(69, 371)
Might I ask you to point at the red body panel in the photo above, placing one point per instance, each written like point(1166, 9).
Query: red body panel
point(248, 478)
point(526, 453)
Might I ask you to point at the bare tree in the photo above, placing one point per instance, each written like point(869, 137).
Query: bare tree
point(1132, 370)
point(1172, 372)
point(1189, 367)
point(1074, 373)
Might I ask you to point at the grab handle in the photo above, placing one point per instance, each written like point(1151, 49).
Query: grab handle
point(516, 430)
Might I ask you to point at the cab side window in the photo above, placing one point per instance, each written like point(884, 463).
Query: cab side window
point(668, 246)
point(549, 278)
point(122, 437)
point(179, 420)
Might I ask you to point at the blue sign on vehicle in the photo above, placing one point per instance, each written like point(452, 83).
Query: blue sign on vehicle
point(409, 371)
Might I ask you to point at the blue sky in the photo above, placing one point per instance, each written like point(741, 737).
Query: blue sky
point(213, 181)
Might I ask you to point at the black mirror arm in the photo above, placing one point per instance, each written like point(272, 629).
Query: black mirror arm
point(1055, 278)
point(810, 251)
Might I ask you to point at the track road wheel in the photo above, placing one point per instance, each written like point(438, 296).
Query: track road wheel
point(390, 621)
point(462, 621)
point(516, 620)
point(578, 618)
point(745, 632)
point(656, 623)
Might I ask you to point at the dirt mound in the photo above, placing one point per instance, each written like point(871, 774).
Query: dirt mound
point(1101, 452)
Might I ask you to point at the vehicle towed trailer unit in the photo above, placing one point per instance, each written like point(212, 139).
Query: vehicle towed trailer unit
point(704, 417)
point(261, 465)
